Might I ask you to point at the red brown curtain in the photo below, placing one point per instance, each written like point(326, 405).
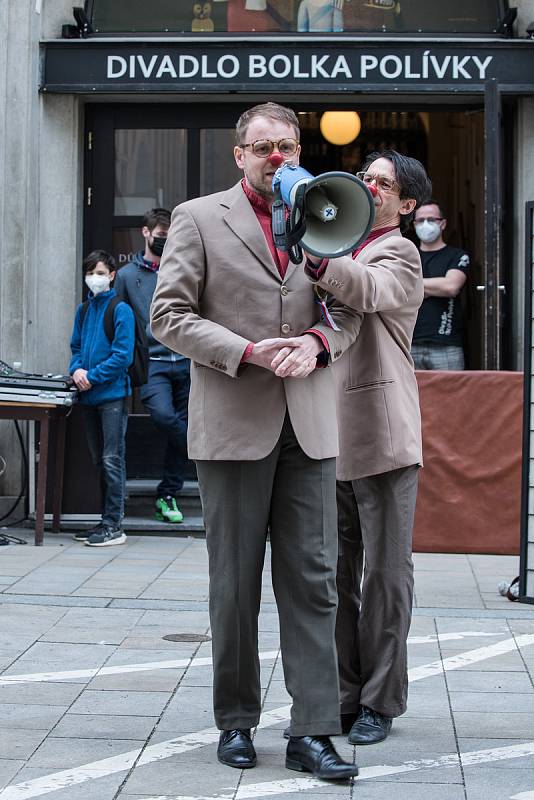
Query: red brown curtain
point(470, 487)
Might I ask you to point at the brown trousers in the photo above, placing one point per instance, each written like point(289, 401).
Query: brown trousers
point(294, 497)
point(375, 522)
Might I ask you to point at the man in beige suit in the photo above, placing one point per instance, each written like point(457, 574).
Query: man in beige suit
point(380, 450)
point(263, 433)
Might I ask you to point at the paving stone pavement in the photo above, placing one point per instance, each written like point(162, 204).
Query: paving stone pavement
point(95, 704)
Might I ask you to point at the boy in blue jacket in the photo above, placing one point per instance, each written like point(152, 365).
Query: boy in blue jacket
point(99, 368)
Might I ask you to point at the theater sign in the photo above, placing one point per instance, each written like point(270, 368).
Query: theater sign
point(178, 66)
point(298, 67)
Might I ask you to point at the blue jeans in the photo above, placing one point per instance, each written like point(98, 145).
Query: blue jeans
point(166, 397)
point(106, 432)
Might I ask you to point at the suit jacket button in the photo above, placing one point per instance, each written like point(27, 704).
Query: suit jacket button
point(284, 290)
point(286, 328)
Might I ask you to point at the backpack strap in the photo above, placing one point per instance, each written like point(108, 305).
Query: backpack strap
point(109, 318)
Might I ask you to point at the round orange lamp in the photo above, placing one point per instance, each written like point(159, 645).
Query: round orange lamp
point(340, 127)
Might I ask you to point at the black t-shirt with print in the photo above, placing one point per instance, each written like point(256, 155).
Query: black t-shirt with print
point(440, 318)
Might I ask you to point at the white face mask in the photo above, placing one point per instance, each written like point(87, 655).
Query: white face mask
point(428, 231)
point(97, 283)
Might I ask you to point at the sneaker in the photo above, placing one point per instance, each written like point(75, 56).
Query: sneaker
point(167, 510)
point(106, 536)
point(82, 536)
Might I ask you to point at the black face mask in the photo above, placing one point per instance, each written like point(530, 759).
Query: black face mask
point(158, 243)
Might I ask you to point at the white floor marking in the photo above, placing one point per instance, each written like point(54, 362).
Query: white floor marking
point(108, 766)
point(470, 657)
point(449, 637)
point(149, 666)
point(523, 796)
point(292, 785)
point(192, 741)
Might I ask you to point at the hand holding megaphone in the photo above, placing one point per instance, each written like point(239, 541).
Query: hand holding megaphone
point(329, 215)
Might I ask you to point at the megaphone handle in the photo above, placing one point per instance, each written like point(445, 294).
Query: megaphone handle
point(295, 254)
point(278, 214)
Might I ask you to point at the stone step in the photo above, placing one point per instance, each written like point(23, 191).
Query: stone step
point(139, 508)
point(140, 488)
point(142, 494)
point(145, 525)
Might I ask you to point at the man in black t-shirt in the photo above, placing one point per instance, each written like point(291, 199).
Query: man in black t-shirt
point(437, 338)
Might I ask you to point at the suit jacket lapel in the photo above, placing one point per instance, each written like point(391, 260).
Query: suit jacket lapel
point(241, 218)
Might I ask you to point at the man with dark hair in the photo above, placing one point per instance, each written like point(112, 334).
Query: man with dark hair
point(263, 433)
point(380, 450)
point(437, 338)
point(166, 392)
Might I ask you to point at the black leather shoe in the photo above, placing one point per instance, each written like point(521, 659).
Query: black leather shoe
point(317, 754)
point(347, 721)
point(370, 727)
point(236, 749)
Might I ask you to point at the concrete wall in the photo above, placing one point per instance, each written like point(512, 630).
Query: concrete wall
point(41, 203)
point(524, 183)
point(40, 207)
point(525, 15)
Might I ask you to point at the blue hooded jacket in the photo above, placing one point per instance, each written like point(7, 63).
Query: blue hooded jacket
point(106, 363)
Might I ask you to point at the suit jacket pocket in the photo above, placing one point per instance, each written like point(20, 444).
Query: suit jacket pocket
point(371, 385)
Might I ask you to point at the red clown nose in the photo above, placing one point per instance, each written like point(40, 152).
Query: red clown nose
point(276, 159)
point(372, 188)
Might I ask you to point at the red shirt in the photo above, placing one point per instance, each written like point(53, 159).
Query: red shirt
point(263, 215)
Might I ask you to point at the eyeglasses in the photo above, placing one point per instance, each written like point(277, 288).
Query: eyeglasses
point(264, 147)
point(427, 219)
point(383, 183)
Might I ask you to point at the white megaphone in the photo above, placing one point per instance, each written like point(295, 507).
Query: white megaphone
point(329, 215)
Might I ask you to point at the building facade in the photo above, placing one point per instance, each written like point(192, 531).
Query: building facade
point(95, 130)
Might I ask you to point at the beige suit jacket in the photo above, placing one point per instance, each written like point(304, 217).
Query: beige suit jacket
point(377, 397)
point(218, 289)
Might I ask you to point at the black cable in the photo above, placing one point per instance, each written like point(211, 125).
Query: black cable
point(5, 538)
point(24, 489)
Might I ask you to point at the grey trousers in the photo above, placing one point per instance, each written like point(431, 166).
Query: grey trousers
point(375, 522)
point(436, 356)
point(295, 497)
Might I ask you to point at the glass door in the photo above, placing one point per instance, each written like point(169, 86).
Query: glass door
point(139, 156)
point(143, 157)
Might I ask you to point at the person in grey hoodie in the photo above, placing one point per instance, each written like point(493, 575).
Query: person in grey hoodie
point(166, 393)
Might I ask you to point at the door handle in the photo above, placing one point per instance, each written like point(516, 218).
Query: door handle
point(482, 288)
